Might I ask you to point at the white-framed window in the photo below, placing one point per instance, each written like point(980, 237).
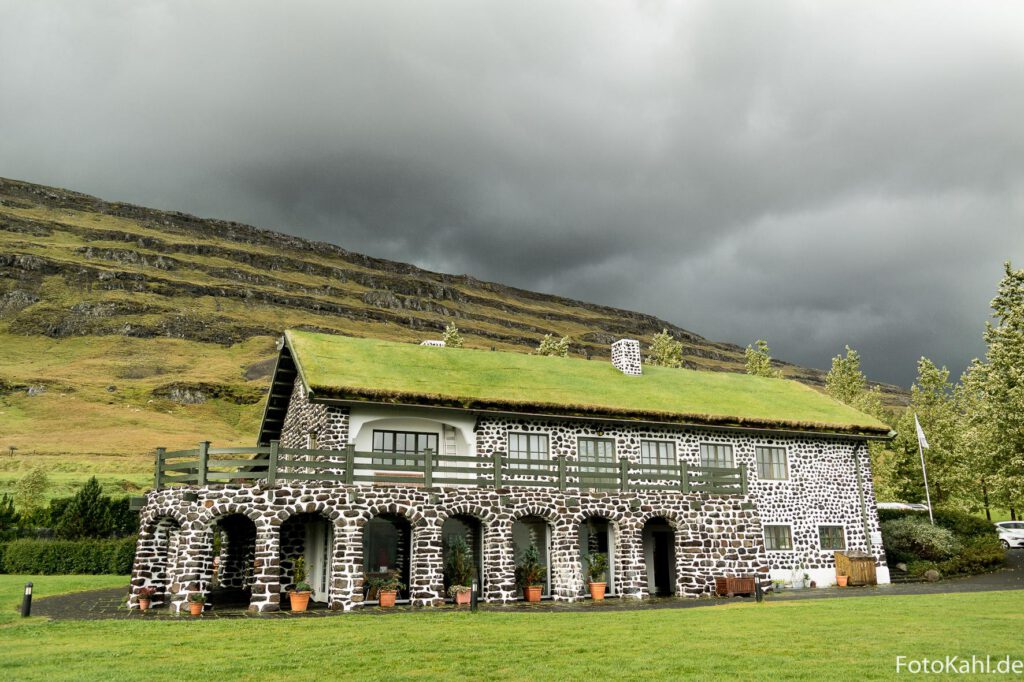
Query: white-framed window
point(532, 446)
point(772, 463)
point(402, 443)
point(778, 538)
point(716, 455)
point(832, 537)
point(657, 452)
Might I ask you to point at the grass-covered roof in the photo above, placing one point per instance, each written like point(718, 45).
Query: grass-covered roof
point(350, 368)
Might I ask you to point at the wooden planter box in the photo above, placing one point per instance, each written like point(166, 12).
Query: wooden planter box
point(728, 587)
point(858, 566)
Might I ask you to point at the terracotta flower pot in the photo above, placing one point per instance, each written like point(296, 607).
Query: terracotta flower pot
point(143, 605)
point(196, 608)
point(597, 591)
point(387, 598)
point(299, 600)
point(841, 580)
point(462, 597)
point(532, 593)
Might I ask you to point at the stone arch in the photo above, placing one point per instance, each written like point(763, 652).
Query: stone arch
point(158, 552)
point(608, 540)
point(393, 546)
point(660, 554)
point(485, 516)
point(154, 514)
point(219, 510)
point(408, 512)
point(312, 532)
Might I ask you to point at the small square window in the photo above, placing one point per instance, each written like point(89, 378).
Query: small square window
point(657, 453)
point(778, 538)
point(716, 456)
point(832, 537)
point(772, 464)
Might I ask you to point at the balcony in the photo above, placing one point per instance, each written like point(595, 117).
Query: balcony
point(272, 465)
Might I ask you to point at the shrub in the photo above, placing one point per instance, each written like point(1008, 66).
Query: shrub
point(977, 555)
point(56, 557)
point(964, 525)
point(910, 539)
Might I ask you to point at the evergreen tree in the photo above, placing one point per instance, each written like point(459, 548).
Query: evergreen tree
point(555, 347)
point(759, 361)
point(87, 516)
point(8, 514)
point(665, 350)
point(452, 338)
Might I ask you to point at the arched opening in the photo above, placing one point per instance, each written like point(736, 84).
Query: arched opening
point(597, 536)
point(533, 530)
point(470, 530)
point(310, 536)
point(166, 538)
point(234, 556)
point(659, 543)
point(387, 545)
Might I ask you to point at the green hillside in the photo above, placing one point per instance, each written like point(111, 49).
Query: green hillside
point(124, 328)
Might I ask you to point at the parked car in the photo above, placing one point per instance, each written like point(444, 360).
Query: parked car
point(912, 506)
point(1011, 533)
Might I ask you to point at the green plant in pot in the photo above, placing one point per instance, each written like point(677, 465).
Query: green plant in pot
point(459, 569)
point(196, 602)
point(145, 595)
point(530, 574)
point(597, 567)
point(299, 597)
point(387, 587)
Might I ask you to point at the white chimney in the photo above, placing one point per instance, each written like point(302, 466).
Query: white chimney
point(626, 357)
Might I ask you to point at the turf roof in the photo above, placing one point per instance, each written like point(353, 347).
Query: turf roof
point(349, 368)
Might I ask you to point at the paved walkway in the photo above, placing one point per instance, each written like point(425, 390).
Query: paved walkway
point(109, 604)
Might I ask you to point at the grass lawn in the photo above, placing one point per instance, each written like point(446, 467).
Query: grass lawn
point(375, 369)
point(854, 638)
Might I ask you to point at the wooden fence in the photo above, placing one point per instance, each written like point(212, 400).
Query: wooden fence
point(272, 464)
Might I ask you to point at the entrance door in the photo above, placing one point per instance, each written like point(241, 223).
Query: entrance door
point(663, 563)
point(319, 540)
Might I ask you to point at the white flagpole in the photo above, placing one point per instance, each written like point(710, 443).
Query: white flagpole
point(924, 469)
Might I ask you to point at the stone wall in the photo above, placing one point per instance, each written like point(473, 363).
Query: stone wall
point(714, 535)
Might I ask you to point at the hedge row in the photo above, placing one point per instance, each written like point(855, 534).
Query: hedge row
point(65, 557)
point(958, 543)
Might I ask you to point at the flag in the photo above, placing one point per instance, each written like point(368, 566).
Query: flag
point(920, 434)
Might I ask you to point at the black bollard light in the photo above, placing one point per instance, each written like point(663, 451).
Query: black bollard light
point(758, 592)
point(26, 601)
point(472, 597)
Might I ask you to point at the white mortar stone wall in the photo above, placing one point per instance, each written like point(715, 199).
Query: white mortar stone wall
point(626, 357)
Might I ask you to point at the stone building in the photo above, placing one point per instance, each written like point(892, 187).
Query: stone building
point(373, 454)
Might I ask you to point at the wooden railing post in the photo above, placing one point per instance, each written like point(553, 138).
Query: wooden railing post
point(497, 469)
point(350, 463)
point(743, 479)
point(204, 457)
point(623, 474)
point(428, 468)
point(684, 477)
point(158, 478)
point(275, 446)
point(561, 473)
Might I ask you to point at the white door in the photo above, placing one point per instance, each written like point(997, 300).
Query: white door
point(319, 539)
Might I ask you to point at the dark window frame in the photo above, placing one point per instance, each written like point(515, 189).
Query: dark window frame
point(398, 460)
point(671, 458)
point(706, 461)
point(529, 452)
point(772, 540)
point(832, 528)
point(770, 465)
point(592, 463)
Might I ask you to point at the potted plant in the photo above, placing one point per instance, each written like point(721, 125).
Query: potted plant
point(597, 565)
point(387, 587)
point(145, 597)
point(459, 569)
point(299, 597)
point(196, 601)
point(841, 580)
point(530, 574)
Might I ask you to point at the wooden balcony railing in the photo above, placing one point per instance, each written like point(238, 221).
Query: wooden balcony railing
point(272, 464)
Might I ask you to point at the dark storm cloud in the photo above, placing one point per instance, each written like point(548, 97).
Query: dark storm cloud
point(817, 174)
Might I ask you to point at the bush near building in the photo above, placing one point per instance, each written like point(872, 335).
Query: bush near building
point(958, 544)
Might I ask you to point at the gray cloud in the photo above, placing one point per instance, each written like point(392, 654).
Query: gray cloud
point(814, 174)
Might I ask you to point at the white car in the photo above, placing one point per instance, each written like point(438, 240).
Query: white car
point(1011, 533)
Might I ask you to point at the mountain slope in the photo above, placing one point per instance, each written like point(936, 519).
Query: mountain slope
point(125, 328)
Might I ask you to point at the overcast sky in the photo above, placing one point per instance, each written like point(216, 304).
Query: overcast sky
point(818, 173)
